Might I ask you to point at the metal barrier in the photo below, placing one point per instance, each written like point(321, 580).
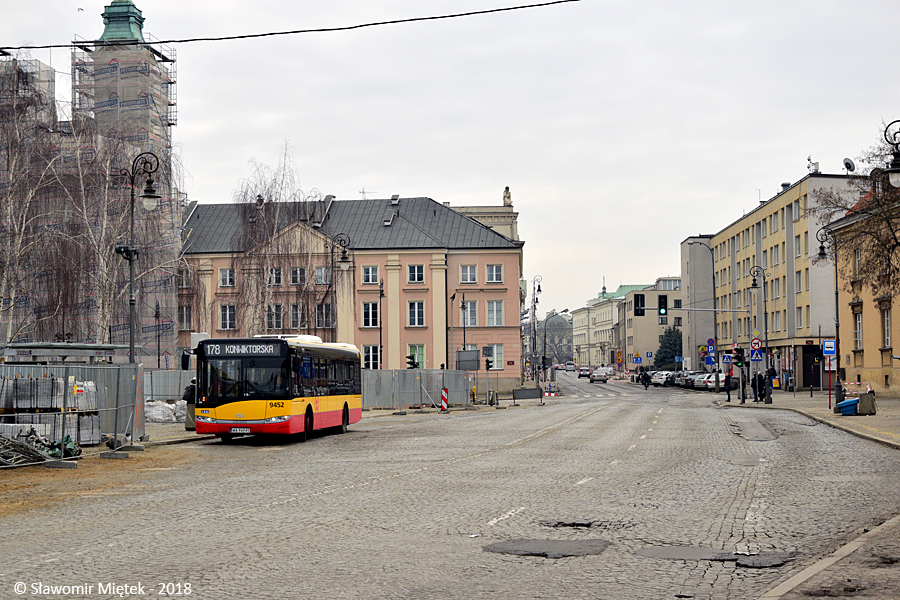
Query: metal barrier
point(165, 384)
point(117, 389)
point(414, 387)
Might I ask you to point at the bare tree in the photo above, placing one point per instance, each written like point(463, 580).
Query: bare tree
point(866, 225)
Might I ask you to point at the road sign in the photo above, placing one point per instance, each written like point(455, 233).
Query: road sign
point(756, 333)
point(756, 355)
point(679, 359)
point(649, 355)
point(726, 358)
point(637, 360)
point(711, 342)
point(828, 348)
point(710, 361)
point(755, 344)
point(711, 349)
point(637, 352)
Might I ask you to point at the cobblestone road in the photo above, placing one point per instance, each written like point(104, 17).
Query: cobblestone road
point(403, 507)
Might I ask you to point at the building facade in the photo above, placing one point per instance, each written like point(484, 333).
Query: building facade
point(643, 334)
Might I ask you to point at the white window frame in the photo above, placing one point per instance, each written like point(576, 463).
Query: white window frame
point(226, 277)
point(370, 357)
point(274, 317)
point(298, 275)
point(298, 317)
point(416, 313)
point(185, 321)
point(228, 317)
point(370, 314)
point(323, 275)
point(370, 275)
point(273, 277)
point(419, 351)
point(468, 273)
point(324, 316)
point(886, 324)
point(498, 362)
point(495, 313)
point(469, 314)
point(494, 273)
point(415, 273)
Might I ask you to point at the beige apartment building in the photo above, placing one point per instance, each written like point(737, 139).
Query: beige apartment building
point(791, 307)
point(644, 333)
point(593, 328)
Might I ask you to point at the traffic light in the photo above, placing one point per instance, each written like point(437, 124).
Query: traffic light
point(737, 357)
point(488, 364)
point(411, 362)
point(639, 305)
point(662, 305)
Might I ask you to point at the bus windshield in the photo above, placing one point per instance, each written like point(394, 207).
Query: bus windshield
point(246, 378)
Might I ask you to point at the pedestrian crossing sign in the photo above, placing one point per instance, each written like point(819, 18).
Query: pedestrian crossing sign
point(756, 355)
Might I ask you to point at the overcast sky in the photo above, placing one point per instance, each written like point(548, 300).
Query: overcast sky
point(621, 128)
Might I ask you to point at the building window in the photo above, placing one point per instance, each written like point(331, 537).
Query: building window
point(468, 310)
point(797, 251)
point(886, 327)
point(495, 273)
point(416, 273)
point(274, 317)
point(184, 318)
point(497, 357)
point(663, 320)
point(762, 226)
point(468, 274)
point(798, 282)
point(677, 321)
point(298, 316)
point(370, 357)
point(226, 277)
point(776, 255)
point(370, 314)
point(274, 277)
point(417, 313)
point(495, 313)
point(370, 275)
point(183, 279)
point(777, 290)
point(765, 264)
point(774, 222)
point(418, 350)
point(323, 276)
point(857, 260)
point(799, 317)
point(298, 276)
point(324, 317)
point(857, 334)
point(227, 317)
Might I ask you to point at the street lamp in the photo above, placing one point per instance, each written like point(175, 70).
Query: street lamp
point(342, 240)
point(824, 234)
point(156, 316)
point(144, 163)
point(535, 290)
point(893, 139)
point(755, 272)
point(712, 257)
point(380, 343)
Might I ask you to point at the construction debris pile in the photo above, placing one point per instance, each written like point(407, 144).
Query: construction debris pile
point(43, 406)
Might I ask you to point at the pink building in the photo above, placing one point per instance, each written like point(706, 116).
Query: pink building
point(389, 276)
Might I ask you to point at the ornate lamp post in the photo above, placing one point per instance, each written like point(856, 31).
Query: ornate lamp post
point(144, 164)
point(342, 240)
point(755, 272)
point(893, 139)
point(823, 235)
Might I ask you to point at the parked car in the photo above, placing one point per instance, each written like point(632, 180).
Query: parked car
point(601, 375)
point(660, 378)
point(584, 372)
point(692, 381)
point(711, 382)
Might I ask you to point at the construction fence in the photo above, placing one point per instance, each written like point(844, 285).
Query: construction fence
point(415, 387)
point(83, 402)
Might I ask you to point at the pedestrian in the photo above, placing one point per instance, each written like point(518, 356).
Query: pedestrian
point(645, 379)
point(754, 385)
point(728, 385)
point(190, 392)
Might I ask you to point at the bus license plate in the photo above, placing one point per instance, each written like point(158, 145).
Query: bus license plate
point(240, 430)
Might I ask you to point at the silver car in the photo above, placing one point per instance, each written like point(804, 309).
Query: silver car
point(600, 375)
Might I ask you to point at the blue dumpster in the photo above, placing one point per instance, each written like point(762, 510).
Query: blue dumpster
point(848, 407)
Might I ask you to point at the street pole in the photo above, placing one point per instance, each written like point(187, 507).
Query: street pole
point(342, 240)
point(380, 342)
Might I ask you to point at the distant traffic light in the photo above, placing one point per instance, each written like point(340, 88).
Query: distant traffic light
point(411, 362)
point(662, 305)
point(488, 364)
point(737, 357)
point(639, 305)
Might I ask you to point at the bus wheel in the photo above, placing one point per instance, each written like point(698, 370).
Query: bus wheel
point(307, 425)
point(345, 420)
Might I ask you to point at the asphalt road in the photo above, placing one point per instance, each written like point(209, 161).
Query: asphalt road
point(608, 492)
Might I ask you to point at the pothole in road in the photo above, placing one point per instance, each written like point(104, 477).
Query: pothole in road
point(762, 560)
point(549, 548)
point(586, 524)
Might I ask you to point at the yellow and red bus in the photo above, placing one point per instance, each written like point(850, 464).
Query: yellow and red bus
point(276, 385)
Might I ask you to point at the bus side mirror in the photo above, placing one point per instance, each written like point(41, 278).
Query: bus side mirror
point(295, 364)
point(185, 361)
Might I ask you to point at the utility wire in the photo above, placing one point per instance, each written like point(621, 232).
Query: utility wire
point(299, 31)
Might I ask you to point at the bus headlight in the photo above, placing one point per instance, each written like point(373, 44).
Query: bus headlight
point(280, 419)
point(204, 419)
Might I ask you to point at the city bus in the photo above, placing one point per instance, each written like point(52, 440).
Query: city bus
point(275, 385)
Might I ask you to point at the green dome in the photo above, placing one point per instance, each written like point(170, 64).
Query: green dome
point(123, 21)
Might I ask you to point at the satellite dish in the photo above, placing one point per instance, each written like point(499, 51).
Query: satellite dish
point(848, 164)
